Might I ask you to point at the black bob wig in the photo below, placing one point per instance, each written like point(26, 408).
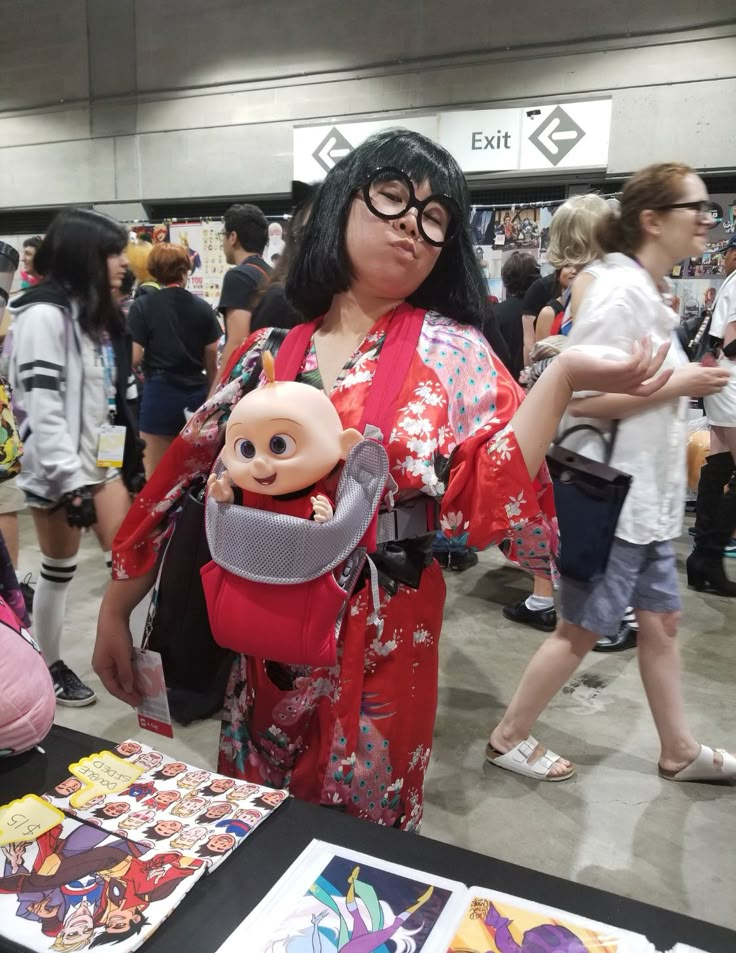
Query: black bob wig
point(321, 269)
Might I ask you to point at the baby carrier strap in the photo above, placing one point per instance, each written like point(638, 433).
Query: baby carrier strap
point(394, 361)
point(274, 548)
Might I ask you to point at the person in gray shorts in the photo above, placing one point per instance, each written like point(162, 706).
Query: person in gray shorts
point(664, 217)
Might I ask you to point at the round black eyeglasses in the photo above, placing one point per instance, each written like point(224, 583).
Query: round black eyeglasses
point(389, 194)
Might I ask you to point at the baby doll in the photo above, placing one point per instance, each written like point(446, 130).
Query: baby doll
point(282, 441)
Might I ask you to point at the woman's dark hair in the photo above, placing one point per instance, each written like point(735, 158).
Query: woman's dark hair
point(653, 187)
point(35, 241)
point(322, 268)
point(518, 272)
point(74, 255)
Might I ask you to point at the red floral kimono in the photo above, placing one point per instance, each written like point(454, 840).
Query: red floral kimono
point(359, 735)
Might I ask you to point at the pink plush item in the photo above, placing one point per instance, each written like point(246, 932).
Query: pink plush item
point(27, 699)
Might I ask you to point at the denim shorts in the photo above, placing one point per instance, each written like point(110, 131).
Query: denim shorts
point(163, 405)
point(641, 576)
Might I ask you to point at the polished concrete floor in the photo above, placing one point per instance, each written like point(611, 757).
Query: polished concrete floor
point(617, 825)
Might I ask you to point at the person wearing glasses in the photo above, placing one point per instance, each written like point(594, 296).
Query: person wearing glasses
point(387, 246)
point(664, 217)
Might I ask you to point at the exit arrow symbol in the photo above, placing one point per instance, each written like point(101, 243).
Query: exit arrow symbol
point(332, 148)
point(558, 134)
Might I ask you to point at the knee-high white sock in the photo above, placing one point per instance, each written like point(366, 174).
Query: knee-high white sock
point(49, 605)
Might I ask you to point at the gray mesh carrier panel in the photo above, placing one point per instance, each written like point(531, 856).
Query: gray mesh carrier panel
point(282, 550)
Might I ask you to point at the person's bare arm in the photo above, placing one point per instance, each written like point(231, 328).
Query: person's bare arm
point(545, 321)
point(694, 380)
point(535, 422)
point(112, 656)
point(210, 362)
point(237, 324)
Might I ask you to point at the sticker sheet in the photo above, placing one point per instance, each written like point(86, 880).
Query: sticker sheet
point(172, 805)
point(333, 899)
point(76, 887)
point(498, 923)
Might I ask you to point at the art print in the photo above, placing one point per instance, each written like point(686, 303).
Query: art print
point(337, 901)
point(497, 923)
point(174, 806)
point(76, 887)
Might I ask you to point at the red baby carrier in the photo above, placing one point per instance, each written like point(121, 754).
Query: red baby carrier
point(278, 586)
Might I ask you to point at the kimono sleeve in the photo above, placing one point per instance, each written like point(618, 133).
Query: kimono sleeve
point(490, 499)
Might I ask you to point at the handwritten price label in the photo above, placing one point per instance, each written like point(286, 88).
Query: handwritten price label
point(100, 774)
point(26, 819)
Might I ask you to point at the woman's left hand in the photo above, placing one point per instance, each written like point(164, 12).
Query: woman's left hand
point(637, 375)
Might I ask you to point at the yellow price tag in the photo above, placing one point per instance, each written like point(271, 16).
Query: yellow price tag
point(27, 818)
point(101, 774)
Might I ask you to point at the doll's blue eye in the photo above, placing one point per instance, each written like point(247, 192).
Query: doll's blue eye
point(246, 449)
point(281, 444)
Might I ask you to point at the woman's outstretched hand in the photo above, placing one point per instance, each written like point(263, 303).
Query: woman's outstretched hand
point(638, 375)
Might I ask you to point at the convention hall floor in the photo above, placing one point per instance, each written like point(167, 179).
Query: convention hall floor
point(617, 825)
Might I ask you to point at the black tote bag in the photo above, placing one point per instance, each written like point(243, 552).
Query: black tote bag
point(589, 497)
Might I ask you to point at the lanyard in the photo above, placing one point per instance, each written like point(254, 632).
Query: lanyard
point(108, 367)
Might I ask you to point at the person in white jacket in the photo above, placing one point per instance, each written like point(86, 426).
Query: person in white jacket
point(71, 375)
point(664, 217)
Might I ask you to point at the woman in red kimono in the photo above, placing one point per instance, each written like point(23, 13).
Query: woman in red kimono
point(388, 234)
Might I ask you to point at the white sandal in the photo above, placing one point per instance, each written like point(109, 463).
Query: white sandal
point(703, 767)
point(517, 760)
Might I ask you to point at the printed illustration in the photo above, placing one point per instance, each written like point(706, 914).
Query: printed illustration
point(357, 908)
point(168, 800)
point(493, 924)
point(76, 887)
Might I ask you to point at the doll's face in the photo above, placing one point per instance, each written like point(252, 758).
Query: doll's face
point(284, 437)
point(174, 769)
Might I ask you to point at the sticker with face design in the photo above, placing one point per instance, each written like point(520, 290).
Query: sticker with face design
point(176, 806)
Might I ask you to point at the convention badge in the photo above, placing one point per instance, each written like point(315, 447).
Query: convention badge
point(111, 447)
point(153, 711)
point(27, 818)
point(101, 774)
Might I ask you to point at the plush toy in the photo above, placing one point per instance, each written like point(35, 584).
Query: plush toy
point(27, 699)
point(281, 443)
point(284, 559)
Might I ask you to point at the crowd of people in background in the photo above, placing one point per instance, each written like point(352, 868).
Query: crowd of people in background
point(383, 242)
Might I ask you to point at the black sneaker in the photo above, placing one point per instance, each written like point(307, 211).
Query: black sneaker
point(69, 687)
point(626, 638)
point(543, 619)
point(28, 592)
